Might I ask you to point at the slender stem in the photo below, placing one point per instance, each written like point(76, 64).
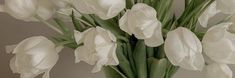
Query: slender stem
point(49, 25)
point(78, 19)
point(82, 19)
point(118, 71)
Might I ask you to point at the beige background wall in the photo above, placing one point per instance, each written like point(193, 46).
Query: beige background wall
point(13, 31)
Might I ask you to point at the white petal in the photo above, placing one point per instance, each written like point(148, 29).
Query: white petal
point(157, 38)
point(45, 10)
point(33, 56)
point(144, 8)
point(116, 8)
point(193, 62)
point(218, 44)
point(226, 6)
point(100, 63)
point(78, 36)
point(218, 71)
point(207, 14)
point(113, 60)
point(20, 9)
point(85, 54)
point(85, 6)
point(183, 49)
point(13, 65)
point(123, 23)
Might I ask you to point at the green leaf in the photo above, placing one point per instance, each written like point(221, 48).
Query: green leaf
point(158, 68)
point(110, 25)
point(77, 24)
point(171, 70)
point(112, 72)
point(123, 62)
point(150, 52)
point(130, 57)
point(62, 26)
point(163, 9)
point(140, 59)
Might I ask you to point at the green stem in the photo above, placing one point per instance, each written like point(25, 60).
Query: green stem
point(49, 25)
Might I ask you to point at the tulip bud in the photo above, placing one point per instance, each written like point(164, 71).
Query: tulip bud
point(223, 6)
point(142, 21)
point(218, 44)
point(27, 9)
point(34, 56)
point(184, 49)
point(99, 47)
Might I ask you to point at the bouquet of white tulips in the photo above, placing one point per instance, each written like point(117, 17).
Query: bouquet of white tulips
point(127, 38)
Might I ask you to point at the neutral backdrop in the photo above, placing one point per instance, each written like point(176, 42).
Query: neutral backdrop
point(13, 31)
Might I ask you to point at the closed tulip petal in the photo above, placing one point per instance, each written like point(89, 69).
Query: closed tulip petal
point(218, 44)
point(141, 21)
point(85, 54)
point(183, 48)
point(156, 39)
point(33, 56)
point(124, 24)
point(218, 71)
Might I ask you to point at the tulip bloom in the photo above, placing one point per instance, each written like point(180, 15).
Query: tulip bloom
point(218, 71)
point(210, 12)
point(218, 44)
point(219, 6)
point(27, 9)
point(105, 9)
point(142, 22)
point(99, 47)
point(34, 56)
point(184, 49)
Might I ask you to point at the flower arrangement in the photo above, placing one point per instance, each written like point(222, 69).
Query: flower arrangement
point(127, 38)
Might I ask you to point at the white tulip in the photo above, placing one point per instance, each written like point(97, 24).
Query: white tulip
point(218, 6)
point(218, 71)
point(34, 56)
point(142, 21)
point(184, 49)
point(218, 44)
point(210, 12)
point(99, 47)
point(27, 9)
point(105, 9)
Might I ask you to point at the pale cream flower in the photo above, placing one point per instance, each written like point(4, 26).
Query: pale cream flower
point(99, 48)
point(184, 49)
point(142, 21)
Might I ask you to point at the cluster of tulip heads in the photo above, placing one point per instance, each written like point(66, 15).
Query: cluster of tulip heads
point(125, 34)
